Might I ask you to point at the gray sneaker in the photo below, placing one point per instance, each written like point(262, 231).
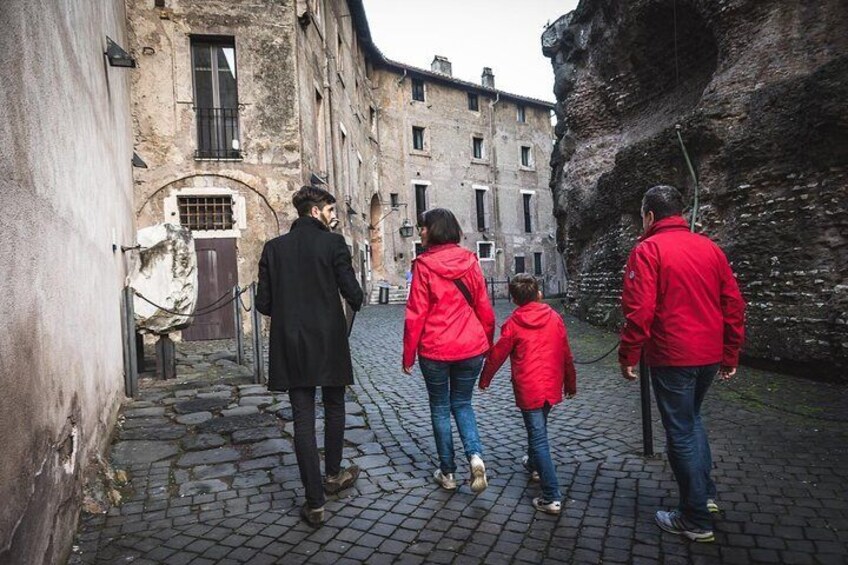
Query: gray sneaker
point(478, 474)
point(445, 480)
point(344, 480)
point(672, 522)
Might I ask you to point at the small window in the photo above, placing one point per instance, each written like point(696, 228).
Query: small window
point(419, 248)
point(519, 265)
point(206, 212)
point(537, 264)
point(420, 199)
point(528, 227)
point(394, 200)
point(339, 54)
point(525, 156)
point(418, 89)
point(485, 250)
point(477, 146)
point(372, 119)
point(521, 114)
point(418, 138)
point(473, 102)
point(480, 196)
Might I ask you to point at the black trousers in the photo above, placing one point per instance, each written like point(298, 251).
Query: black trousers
point(306, 444)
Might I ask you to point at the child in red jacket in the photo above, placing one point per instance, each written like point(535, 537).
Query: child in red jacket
point(535, 339)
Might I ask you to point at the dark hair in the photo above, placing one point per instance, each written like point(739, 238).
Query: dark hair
point(663, 201)
point(523, 288)
point(309, 196)
point(441, 225)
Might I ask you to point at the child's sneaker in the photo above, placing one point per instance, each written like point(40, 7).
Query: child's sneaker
point(534, 475)
point(672, 522)
point(478, 474)
point(712, 506)
point(445, 480)
point(547, 506)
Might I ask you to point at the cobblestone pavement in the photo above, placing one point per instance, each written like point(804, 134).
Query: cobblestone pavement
point(214, 479)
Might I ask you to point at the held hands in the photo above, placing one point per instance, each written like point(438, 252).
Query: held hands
point(629, 372)
point(407, 370)
point(725, 373)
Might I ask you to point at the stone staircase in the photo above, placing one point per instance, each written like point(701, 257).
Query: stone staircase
point(396, 295)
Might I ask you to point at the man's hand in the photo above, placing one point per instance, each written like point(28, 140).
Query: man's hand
point(407, 370)
point(629, 372)
point(726, 373)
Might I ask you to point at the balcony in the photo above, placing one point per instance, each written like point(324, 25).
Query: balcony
point(217, 134)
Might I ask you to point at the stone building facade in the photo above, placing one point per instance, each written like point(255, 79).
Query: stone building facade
point(235, 107)
point(758, 90)
point(66, 192)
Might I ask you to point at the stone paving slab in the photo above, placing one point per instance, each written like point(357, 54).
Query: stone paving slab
point(230, 490)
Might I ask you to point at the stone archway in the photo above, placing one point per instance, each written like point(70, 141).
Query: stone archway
point(376, 228)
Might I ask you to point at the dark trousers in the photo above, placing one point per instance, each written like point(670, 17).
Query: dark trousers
point(305, 443)
point(680, 391)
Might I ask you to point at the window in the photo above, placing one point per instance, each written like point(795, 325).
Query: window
point(480, 195)
point(418, 89)
point(519, 264)
point(419, 248)
point(345, 156)
point(537, 264)
point(473, 102)
point(521, 114)
point(394, 200)
point(528, 228)
point(215, 97)
point(206, 212)
point(318, 124)
point(477, 146)
point(372, 119)
point(485, 250)
point(339, 55)
point(420, 199)
point(525, 156)
point(418, 138)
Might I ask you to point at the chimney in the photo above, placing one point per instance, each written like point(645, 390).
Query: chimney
point(441, 65)
point(488, 79)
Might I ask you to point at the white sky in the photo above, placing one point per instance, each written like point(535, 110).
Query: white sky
point(502, 34)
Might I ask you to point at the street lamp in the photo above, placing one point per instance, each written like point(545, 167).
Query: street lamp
point(117, 56)
point(406, 227)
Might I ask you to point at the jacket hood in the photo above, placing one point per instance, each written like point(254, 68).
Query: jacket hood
point(672, 222)
point(533, 315)
point(449, 261)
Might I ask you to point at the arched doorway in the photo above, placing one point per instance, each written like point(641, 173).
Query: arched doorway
point(377, 265)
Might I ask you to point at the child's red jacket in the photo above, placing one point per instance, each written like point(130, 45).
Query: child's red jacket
point(535, 339)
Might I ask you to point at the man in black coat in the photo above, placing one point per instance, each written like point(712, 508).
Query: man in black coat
point(300, 276)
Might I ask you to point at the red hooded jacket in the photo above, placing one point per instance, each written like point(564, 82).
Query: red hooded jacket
point(440, 323)
point(680, 301)
point(535, 340)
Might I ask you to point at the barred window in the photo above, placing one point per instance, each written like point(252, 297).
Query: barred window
point(206, 212)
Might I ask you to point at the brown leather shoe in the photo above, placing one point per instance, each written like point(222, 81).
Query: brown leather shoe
point(312, 516)
point(344, 480)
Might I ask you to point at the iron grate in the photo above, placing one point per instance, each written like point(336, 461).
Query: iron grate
point(206, 212)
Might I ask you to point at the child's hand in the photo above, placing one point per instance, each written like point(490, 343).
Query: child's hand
point(569, 395)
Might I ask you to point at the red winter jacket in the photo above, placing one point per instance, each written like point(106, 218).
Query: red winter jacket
point(680, 301)
point(440, 323)
point(535, 340)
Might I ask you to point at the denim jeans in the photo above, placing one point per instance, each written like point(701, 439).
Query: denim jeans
point(679, 392)
point(305, 443)
point(449, 386)
point(539, 451)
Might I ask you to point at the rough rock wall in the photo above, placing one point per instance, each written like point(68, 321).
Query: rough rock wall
point(759, 88)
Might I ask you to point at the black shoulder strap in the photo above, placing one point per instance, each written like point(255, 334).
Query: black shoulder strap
point(465, 292)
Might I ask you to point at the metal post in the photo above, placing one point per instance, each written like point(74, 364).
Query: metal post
point(130, 359)
point(258, 361)
point(647, 423)
point(166, 359)
point(239, 325)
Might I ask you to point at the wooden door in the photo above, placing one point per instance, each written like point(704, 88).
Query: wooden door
point(216, 274)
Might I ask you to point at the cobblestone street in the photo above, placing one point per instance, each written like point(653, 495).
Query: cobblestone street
point(213, 478)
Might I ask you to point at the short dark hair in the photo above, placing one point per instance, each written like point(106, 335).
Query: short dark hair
point(441, 225)
point(523, 288)
point(309, 196)
point(664, 201)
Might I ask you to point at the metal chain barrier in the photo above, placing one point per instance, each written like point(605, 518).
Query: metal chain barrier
point(205, 310)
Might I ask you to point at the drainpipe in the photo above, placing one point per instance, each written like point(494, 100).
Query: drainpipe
point(500, 240)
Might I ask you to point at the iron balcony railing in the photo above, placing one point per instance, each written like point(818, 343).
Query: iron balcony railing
point(217, 133)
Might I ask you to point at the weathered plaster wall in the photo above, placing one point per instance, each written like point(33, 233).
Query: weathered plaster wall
point(165, 122)
point(447, 163)
point(759, 89)
point(65, 189)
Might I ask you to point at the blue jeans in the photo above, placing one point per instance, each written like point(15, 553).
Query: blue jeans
point(539, 451)
point(450, 385)
point(679, 392)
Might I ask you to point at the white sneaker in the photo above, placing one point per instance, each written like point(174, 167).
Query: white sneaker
point(712, 506)
point(478, 474)
point(547, 506)
point(445, 480)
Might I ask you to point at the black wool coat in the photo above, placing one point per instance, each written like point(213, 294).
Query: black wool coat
point(301, 275)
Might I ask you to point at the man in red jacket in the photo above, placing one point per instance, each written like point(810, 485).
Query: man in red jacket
point(683, 309)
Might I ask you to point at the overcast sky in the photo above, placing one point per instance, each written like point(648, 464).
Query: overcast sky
point(502, 34)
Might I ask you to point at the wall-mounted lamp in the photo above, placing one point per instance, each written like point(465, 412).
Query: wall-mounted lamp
point(117, 56)
point(138, 162)
point(406, 228)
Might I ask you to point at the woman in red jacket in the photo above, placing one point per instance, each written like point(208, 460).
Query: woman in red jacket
point(450, 324)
